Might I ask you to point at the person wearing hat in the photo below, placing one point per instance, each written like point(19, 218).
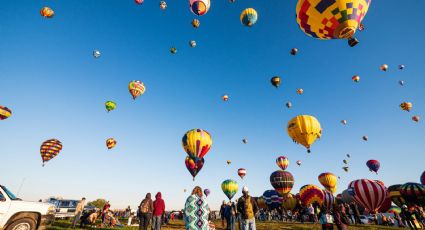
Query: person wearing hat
point(247, 207)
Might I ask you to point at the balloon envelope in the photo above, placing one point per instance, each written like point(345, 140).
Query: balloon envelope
point(50, 149)
point(230, 188)
point(310, 194)
point(197, 143)
point(5, 113)
point(304, 129)
point(282, 181)
point(282, 162)
point(194, 166)
point(368, 193)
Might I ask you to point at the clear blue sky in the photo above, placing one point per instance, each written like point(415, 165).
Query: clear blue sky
point(56, 89)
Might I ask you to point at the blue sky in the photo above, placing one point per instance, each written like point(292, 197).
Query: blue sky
point(56, 89)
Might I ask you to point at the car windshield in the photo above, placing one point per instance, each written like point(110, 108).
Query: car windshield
point(9, 193)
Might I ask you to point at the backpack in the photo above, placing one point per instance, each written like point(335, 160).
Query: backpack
point(144, 207)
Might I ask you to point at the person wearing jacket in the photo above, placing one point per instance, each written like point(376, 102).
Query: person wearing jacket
point(247, 207)
point(145, 212)
point(158, 211)
point(196, 211)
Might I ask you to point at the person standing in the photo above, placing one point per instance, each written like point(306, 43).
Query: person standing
point(326, 219)
point(248, 208)
point(158, 211)
point(78, 211)
point(340, 219)
point(222, 209)
point(145, 210)
point(196, 211)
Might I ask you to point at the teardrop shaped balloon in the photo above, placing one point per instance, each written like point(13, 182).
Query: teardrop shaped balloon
point(110, 105)
point(193, 166)
point(230, 188)
point(282, 162)
point(304, 130)
point(242, 172)
point(282, 181)
point(275, 81)
point(249, 17)
point(329, 181)
point(199, 7)
point(207, 192)
point(136, 88)
point(50, 149)
point(197, 143)
point(373, 165)
point(110, 143)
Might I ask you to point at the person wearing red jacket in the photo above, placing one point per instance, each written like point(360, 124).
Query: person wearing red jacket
point(158, 211)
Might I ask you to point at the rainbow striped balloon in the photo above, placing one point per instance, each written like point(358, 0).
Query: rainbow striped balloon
point(310, 194)
point(50, 149)
point(282, 162)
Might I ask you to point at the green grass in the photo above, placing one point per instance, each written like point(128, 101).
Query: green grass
point(60, 225)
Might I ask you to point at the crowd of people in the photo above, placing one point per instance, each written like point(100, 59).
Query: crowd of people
point(244, 213)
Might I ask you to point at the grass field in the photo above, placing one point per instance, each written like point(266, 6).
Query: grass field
point(60, 225)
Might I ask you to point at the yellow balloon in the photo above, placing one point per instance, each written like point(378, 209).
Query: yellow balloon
point(197, 143)
point(289, 202)
point(304, 130)
point(329, 181)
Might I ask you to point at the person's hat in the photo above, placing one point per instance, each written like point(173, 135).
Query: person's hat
point(245, 189)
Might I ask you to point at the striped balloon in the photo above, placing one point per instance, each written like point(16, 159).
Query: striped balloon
point(328, 199)
point(368, 193)
point(310, 194)
point(242, 172)
point(282, 162)
point(50, 149)
point(413, 193)
point(395, 195)
point(230, 188)
point(273, 199)
point(423, 178)
point(5, 113)
point(197, 143)
point(136, 88)
point(282, 181)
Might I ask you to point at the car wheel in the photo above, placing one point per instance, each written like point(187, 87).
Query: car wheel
point(22, 224)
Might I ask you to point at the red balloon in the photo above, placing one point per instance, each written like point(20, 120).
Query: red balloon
point(138, 2)
point(369, 193)
point(194, 167)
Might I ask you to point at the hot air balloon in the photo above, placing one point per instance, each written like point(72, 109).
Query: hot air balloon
point(228, 162)
point(373, 165)
point(282, 162)
point(328, 199)
point(136, 88)
point(365, 138)
point(356, 78)
point(345, 161)
point(300, 91)
point(304, 130)
point(289, 202)
point(196, 23)
point(199, 7)
point(207, 192)
point(249, 17)
point(47, 12)
point(261, 202)
point(328, 180)
point(416, 118)
point(230, 188)
point(384, 67)
point(242, 172)
point(337, 19)
point(347, 195)
point(173, 50)
point(400, 67)
point(386, 205)
point(5, 113)
point(275, 81)
point(310, 194)
point(192, 43)
point(401, 82)
point(50, 149)
point(395, 195)
point(273, 199)
point(245, 141)
point(288, 104)
point(225, 97)
point(423, 178)
point(138, 2)
point(193, 166)
point(162, 5)
point(298, 162)
point(348, 155)
point(368, 193)
point(197, 143)
point(96, 54)
point(394, 210)
point(294, 51)
point(344, 122)
point(110, 143)
point(406, 106)
point(413, 193)
point(346, 168)
point(282, 181)
point(110, 105)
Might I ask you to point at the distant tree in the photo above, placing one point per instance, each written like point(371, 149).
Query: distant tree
point(99, 203)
